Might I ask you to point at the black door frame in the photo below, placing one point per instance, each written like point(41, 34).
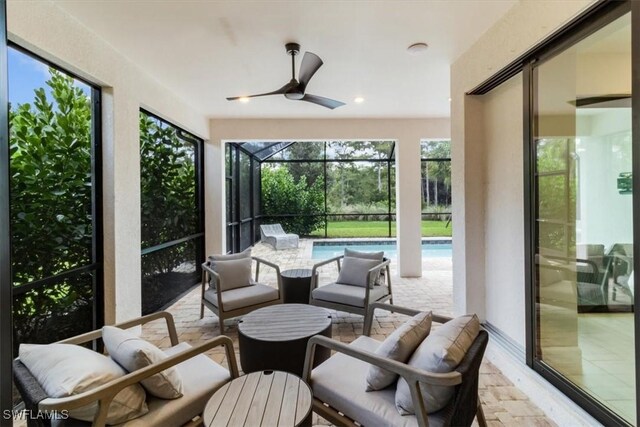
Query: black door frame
point(594, 18)
point(6, 329)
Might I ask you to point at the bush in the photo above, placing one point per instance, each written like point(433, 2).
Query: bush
point(283, 196)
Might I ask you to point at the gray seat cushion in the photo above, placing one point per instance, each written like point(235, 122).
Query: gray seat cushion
point(347, 294)
point(243, 297)
point(201, 377)
point(340, 382)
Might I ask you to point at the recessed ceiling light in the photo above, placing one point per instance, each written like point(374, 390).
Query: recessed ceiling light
point(418, 48)
point(358, 100)
point(243, 99)
point(449, 99)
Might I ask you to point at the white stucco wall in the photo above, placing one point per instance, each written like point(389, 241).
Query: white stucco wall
point(504, 210)
point(406, 132)
point(46, 30)
point(524, 25)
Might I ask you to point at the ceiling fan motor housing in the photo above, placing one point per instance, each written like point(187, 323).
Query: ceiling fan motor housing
point(292, 48)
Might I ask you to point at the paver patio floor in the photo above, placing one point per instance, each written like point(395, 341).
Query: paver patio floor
point(503, 403)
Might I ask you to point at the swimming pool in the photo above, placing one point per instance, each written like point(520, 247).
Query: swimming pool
point(430, 248)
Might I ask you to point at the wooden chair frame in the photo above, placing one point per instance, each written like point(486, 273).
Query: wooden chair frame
point(208, 272)
point(371, 276)
point(412, 375)
point(106, 392)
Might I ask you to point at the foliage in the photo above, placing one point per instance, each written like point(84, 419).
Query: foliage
point(282, 194)
point(436, 174)
point(167, 193)
point(51, 208)
point(556, 202)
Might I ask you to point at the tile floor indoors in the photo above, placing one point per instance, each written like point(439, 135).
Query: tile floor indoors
point(503, 403)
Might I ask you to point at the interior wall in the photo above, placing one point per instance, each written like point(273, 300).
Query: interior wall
point(504, 210)
point(45, 29)
point(406, 132)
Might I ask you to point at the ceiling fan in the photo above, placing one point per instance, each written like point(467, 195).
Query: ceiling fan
point(295, 89)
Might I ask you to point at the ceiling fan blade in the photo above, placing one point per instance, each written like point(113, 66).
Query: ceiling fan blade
point(320, 100)
point(284, 89)
point(310, 64)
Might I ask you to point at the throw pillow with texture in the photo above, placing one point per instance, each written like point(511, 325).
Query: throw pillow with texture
point(133, 353)
point(399, 346)
point(234, 273)
point(354, 271)
point(66, 369)
point(226, 257)
point(441, 351)
point(378, 256)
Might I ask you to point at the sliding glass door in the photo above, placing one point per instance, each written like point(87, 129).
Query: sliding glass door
point(583, 230)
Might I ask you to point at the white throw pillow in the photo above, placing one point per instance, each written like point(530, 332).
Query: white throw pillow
point(234, 273)
point(65, 370)
point(133, 353)
point(399, 346)
point(440, 352)
point(354, 271)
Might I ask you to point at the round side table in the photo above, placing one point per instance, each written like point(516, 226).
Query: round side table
point(267, 398)
point(296, 285)
point(276, 337)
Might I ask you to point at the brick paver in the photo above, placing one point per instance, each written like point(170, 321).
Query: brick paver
point(503, 403)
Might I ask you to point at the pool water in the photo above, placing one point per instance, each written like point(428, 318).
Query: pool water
point(324, 250)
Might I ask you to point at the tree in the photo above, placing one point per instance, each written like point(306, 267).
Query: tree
point(51, 210)
point(283, 195)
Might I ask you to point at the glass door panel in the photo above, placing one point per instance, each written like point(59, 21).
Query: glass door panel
point(583, 216)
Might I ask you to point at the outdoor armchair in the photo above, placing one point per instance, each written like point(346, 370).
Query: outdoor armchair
point(201, 377)
point(228, 303)
point(274, 235)
point(338, 384)
point(349, 298)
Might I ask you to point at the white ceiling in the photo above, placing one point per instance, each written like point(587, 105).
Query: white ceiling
point(205, 51)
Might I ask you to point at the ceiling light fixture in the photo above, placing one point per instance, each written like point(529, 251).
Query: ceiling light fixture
point(243, 99)
point(418, 48)
point(358, 100)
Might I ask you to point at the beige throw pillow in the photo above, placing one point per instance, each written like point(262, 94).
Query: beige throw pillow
point(226, 257)
point(442, 351)
point(399, 346)
point(133, 353)
point(234, 273)
point(65, 370)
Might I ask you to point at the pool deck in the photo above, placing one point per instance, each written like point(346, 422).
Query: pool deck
point(503, 403)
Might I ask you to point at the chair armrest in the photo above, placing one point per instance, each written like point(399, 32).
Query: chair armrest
point(276, 267)
point(106, 392)
point(368, 319)
point(412, 375)
point(94, 335)
point(314, 269)
point(376, 271)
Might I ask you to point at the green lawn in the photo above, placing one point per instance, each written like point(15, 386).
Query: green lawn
point(379, 229)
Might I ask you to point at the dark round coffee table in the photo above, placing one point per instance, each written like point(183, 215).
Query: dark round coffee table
point(276, 337)
point(296, 285)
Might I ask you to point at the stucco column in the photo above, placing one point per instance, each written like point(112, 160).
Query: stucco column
point(215, 195)
point(121, 205)
point(408, 207)
point(468, 192)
